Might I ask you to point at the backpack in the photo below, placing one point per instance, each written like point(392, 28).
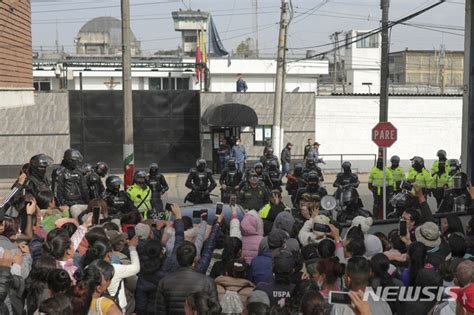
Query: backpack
point(231, 303)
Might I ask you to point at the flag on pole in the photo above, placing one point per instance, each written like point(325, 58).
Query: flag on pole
point(198, 58)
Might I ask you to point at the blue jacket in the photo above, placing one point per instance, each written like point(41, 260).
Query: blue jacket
point(238, 153)
point(151, 274)
point(261, 267)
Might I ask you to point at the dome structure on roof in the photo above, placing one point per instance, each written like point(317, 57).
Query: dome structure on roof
point(103, 36)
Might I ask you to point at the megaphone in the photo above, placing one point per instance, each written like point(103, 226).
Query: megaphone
point(328, 203)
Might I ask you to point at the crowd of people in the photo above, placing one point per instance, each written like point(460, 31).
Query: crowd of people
point(71, 245)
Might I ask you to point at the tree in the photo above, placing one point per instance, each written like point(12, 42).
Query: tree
point(246, 48)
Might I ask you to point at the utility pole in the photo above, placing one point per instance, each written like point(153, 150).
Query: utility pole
point(255, 25)
point(128, 151)
point(468, 98)
point(442, 63)
point(335, 36)
point(277, 134)
point(383, 113)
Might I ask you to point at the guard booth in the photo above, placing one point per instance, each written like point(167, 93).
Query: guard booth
point(225, 122)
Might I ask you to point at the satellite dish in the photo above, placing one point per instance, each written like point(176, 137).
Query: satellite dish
point(328, 203)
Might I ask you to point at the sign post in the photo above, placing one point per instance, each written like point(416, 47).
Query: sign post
point(384, 134)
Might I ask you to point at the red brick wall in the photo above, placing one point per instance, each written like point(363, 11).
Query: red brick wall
point(15, 44)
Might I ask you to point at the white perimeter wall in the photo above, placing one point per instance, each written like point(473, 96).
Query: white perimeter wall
point(425, 125)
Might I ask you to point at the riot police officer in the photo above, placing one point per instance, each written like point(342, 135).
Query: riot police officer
point(313, 186)
point(350, 205)
point(140, 194)
point(272, 177)
point(230, 179)
point(345, 178)
point(419, 175)
point(94, 180)
point(201, 183)
point(295, 182)
point(439, 183)
point(312, 166)
point(442, 159)
point(158, 185)
point(397, 172)
point(376, 185)
point(69, 183)
point(36, 179)
point(118, 201)
point(454, 168)
point(457, 198)
point(267, 158)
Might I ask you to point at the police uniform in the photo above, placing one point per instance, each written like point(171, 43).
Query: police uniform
point(231, 178)
point(398, 176)
point(376, 185)
point(141, 197)
point(201, 183)
point(253, 198)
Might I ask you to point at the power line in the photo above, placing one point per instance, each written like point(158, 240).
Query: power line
point(373, 32)
point(103, 7)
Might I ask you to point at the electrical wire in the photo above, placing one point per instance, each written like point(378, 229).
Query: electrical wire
point(372, 32)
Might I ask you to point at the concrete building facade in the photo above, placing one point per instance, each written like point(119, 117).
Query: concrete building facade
point(16, 77)
point(427, 67)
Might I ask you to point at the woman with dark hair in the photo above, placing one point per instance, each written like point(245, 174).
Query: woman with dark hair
point(385, 242)
point(313, 303)
point(299, 292)
point(92, 283)
point(199, 303)
point(326, 248)
point(36, 285)
point(416, 257)
point(234, 280)
point(327, 273)
point(62, 247)
point(58, 281)
point(100, 249)
point(232, 249)
point(57, 305)
point(451, 224)
point(379, 265)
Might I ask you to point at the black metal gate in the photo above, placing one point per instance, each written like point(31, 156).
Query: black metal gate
point(166, 127)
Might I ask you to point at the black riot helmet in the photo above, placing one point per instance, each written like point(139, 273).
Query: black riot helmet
point(273, 166)
point(38, 165)
point(258, 167)
point(269, 152)
point(460, 180)
point(101, 169)
point(395, 160)
point(298, 170)
point(86, 168)
point(72, 159)
point(153, 169)
point(346, 167)
point(201, 165)
point(454, 166)
point(379, 163)
point(441, 154)
point(313, 179)
point(418, 163)
point(310, 164)
point(113, 183)
point(231, 165)
point(139, 175)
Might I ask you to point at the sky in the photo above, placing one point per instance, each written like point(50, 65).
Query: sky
point(313, 23)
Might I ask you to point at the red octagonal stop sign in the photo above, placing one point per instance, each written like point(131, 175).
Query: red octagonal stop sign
point(384, 134)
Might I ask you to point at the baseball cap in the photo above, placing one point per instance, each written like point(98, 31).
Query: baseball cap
point(283, 262)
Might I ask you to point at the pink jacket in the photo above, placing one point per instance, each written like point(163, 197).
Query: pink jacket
point(252, 234)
